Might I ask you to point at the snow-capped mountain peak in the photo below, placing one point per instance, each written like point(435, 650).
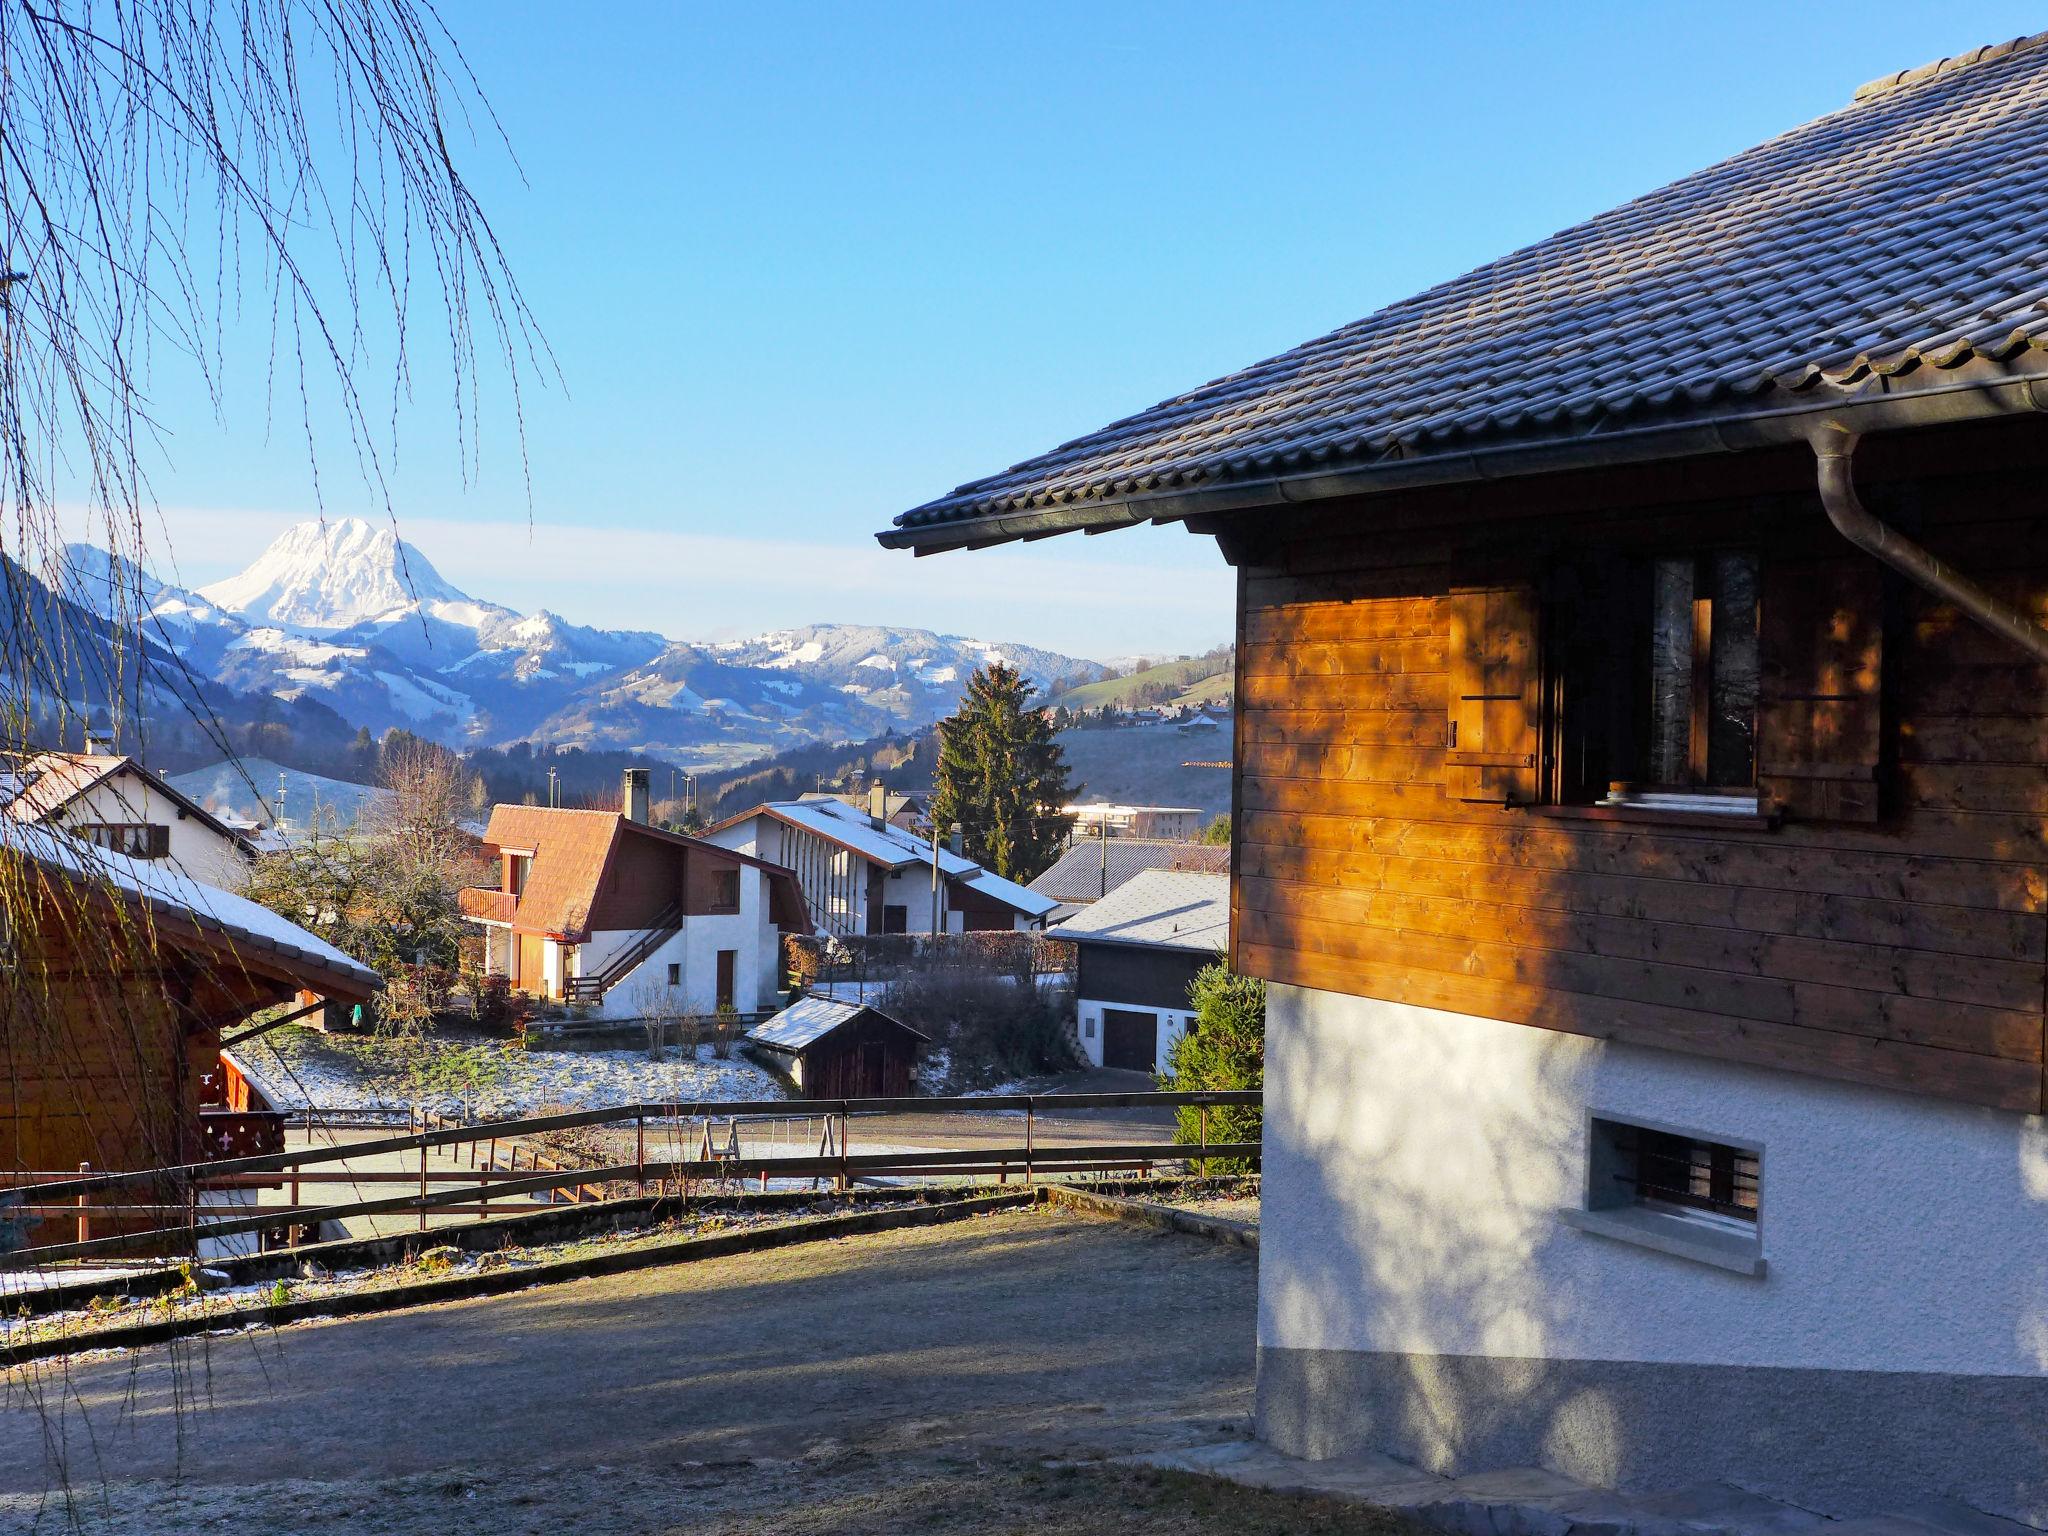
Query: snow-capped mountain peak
point(321, 577)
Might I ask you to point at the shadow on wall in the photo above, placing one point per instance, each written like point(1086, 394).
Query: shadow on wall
point(1422, 1276)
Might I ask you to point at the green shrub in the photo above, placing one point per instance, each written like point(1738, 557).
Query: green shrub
point(1224, 1051)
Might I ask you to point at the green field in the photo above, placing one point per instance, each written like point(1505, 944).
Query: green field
point(1196, 680)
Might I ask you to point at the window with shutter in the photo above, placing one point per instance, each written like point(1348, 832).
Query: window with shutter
point(1495, 707)
point(1820, 716)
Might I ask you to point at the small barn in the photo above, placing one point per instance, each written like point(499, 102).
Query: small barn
point(838, 1050)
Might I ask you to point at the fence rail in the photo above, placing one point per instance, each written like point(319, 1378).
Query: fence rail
point(475, 1187)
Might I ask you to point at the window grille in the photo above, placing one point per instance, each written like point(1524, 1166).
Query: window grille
point(1670, 1169)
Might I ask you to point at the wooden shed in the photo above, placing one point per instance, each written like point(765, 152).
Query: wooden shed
point(837, 1050)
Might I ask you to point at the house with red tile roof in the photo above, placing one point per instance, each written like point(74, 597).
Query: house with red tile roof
point(605, 909)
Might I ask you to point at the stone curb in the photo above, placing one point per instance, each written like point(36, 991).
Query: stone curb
point(1145, 1213)
point(499, 1282)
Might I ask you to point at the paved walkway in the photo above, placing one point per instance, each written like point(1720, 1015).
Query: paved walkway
point(1063, 1334)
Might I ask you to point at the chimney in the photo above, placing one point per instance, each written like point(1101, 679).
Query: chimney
point(98, 743)
point(878, 801)
point(633, 799)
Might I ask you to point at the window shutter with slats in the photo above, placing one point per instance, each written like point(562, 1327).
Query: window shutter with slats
point(1819, 710)
point(1495, 704)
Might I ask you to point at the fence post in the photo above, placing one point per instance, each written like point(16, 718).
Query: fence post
point(640, 1154)
point(1030, 1121)
point(1205, 1141)
point(423, 1173)
point(84, 1206)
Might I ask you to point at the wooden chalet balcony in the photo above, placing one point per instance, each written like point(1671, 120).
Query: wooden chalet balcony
point(490, 906)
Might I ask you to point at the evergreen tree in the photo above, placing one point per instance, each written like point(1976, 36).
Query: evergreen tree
point(1002, 777)
point(1224, 1050)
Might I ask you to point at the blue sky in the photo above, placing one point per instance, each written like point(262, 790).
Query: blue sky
point(806, 265)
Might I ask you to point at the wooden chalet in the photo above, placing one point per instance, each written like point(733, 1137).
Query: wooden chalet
point(121, 976)
point(830, 1049)
point(1641, 812)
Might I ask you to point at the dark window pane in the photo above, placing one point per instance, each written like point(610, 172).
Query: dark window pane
point(1731, 747)
point(1671, 671)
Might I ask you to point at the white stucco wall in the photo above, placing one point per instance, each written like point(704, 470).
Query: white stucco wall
point(195, 848)
point(1415, 1160)
point(1088, 1026)
point(750, 932)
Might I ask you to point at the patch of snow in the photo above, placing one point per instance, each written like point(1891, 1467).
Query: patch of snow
point(878, 661)
point(586, 668)
point(298, 1068)
point(856, 689)
point(420, 702)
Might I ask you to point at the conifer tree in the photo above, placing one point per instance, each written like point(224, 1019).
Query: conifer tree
point(1002, 776)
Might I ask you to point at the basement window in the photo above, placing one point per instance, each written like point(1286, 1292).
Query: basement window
point(1679, 1192)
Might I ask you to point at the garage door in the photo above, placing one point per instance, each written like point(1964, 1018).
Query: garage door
point(1130, 1039)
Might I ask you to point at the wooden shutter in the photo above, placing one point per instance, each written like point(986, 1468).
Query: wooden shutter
point(1819, 721)
point(159, 841)
point(1490, 753)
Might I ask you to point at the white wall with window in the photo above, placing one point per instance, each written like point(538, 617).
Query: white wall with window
point(1095, 1020)
point(684, 974)
point(1440, 1206)
point(128, 814)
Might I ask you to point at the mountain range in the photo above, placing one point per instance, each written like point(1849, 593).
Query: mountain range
point(350, 616)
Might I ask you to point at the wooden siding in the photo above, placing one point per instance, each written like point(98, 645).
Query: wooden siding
point(1900, 941)
point(1143, 975)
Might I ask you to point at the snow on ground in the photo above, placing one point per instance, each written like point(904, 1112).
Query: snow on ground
point(298, 1068)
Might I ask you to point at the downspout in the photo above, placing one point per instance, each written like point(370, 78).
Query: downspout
point(1834, 447)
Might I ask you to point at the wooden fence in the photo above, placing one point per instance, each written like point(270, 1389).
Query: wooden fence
point(170, 1193)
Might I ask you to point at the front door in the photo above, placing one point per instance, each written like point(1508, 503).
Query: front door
point(728, 978)
point(1130, 1039)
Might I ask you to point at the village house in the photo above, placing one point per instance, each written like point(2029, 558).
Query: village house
point(864, 875)
point(1173, 823)
point(1136, 952)
point(604, 909)
point(109, 799)
point(1090, 868)
point(1640, 792)
point(119, 976)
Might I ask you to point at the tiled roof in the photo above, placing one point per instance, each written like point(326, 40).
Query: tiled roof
point(1873, 250)
point(569, 850)
point(1078, 876)
point(810, 1019)
point(1166, 908)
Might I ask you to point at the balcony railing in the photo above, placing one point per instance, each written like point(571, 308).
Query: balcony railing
point(490, 906)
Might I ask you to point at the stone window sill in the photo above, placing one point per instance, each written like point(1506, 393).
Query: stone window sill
point(1673, 1235)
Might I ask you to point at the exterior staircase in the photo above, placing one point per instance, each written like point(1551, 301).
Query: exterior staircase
point(591, 989)
point(1530, 1501)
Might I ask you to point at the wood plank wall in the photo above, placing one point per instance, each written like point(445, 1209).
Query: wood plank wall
point(1909, 952)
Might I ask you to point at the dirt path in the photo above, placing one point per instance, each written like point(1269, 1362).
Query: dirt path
point(711, 1387)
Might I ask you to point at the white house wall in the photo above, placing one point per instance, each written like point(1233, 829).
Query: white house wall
point(195, 848)
point(1418, 1292)
point(749, 932)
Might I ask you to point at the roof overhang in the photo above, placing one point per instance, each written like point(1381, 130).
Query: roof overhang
point(1990, 391)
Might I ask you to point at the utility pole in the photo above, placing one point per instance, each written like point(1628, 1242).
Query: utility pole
point(935, 870)
point(551, 789)
point(1102, 837)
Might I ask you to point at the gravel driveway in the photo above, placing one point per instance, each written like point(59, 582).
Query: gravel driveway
point(716, 1395)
